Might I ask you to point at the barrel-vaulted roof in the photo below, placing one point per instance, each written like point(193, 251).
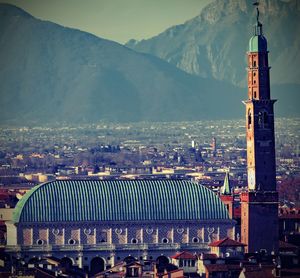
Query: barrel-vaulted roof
point(119, 200)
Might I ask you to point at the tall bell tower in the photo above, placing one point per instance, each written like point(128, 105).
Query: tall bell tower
point(259, 219)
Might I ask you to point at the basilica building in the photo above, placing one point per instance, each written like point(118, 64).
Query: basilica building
point(96, 224)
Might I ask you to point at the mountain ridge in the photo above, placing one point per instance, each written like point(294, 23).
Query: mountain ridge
point(211, 44)
point(50, 73)
point(12, 10)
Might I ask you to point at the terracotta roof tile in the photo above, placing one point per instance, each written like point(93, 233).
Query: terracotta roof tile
point(226, 242)
point(184, 255)
point(286, 245)
point(209, 256)
point(258, 272)
point(216, 268)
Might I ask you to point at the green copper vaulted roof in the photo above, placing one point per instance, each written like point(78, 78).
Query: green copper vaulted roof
point(135, 200)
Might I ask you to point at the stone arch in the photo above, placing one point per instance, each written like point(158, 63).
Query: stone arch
point(129, 259)
point(263, 119)
point(66, 262)
point(33, 260)
point(249, 118)
point(97, 265)
point(162, 260)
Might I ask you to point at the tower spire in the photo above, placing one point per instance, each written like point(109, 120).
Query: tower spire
point(226, 188)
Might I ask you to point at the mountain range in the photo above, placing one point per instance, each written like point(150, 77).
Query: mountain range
point(50, 73)
point(214, 43)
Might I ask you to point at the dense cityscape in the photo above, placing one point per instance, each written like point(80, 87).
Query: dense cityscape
point(203, 151)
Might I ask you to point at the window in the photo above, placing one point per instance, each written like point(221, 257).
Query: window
point(195, 239)
point(249, 118)
point(266, 120)
point(134, 240)
point(39, 242)
point(260, 119)
point(254, 94)
point(263, 119)
point(254, 63)
point(180, 263)
point(165, 240)
point(72, 241)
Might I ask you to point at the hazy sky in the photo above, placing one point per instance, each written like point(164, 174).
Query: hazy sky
point(118, 20)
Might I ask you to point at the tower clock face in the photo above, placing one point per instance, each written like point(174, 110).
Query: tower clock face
point(251, 179)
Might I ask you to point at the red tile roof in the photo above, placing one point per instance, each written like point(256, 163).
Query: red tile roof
point(285, 245)
point(209, 256)
point(4, 196)
point(289, 213)
point(216, 268)
point(222, 267)
point(258, 272)
point(184, 255)
point(226, 242)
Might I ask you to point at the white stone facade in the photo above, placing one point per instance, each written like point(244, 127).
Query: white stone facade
point(113, 242)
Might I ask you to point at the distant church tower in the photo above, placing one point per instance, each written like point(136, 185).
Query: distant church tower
point(259, 205)
point(227, 195)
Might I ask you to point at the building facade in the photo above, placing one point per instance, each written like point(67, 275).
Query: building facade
point(259, 205)
point(96, 224)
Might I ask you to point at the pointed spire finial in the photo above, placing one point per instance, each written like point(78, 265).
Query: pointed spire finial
point(258, 26)
point(257, 11)
point(226, 188)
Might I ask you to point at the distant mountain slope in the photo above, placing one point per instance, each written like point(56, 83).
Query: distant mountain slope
point(214, 43)
point(50, 73)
